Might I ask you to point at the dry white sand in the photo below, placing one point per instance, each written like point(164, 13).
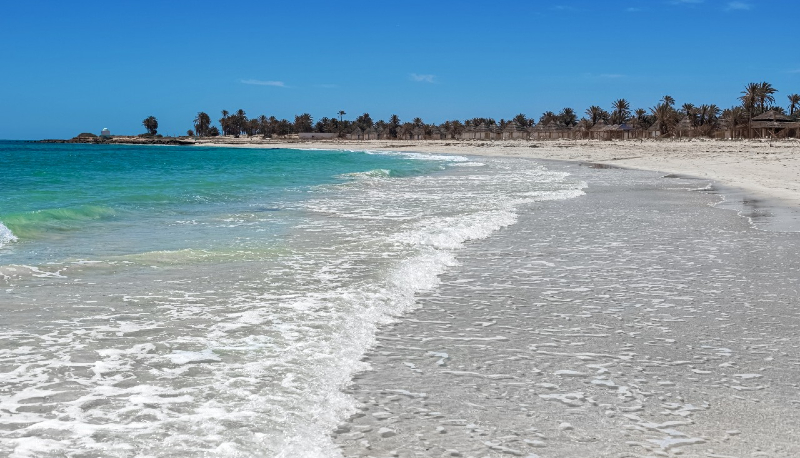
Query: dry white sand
point(768, 170)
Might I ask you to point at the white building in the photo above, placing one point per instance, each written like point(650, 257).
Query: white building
point(105, 133)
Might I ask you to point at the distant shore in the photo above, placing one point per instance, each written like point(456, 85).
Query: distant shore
point(124, 140)
point(768, 169)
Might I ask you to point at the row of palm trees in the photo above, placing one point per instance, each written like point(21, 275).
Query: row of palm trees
point(757, 98)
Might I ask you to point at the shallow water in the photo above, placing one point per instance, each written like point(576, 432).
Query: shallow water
point(161, 301)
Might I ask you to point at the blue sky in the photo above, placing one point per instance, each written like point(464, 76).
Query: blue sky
point(71, 67)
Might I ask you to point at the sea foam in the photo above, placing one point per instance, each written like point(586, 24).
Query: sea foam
point(6, 236)
point(259, 333)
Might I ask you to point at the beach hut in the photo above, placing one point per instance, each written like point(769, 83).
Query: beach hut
point(561, 130)
point(105, 133)
point(437, 133)
point(371, 134)
point(521, 132)
point(684, 129)
point(497, 132)
point(418, 133)
point(598, 131)
point(618, 132)
point(581, 131)
point(538, 131)
point(356, 134)
point(483, 132)
point(772, 124)
point(655, 130)
point(514, 131)
point(556, 130)
point(383, 133)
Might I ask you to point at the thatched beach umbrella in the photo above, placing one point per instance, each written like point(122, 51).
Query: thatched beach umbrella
point(598, 131)
point(684, 128)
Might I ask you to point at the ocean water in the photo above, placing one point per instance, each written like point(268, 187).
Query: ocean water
point(175, 301)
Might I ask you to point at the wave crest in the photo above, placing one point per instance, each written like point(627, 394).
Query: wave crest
point(31, 224)
point(6, 236)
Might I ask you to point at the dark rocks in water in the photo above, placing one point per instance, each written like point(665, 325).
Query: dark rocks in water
point(123, 140)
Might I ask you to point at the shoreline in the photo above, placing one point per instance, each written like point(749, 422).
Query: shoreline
point(769, 170)
point(755, 172)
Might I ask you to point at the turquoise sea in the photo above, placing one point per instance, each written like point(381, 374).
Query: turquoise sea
point(201, 301)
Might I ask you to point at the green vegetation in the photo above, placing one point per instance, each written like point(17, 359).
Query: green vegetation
point(151, 124)
point(664, 119)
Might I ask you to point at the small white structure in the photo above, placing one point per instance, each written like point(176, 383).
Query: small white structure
point(105, 133)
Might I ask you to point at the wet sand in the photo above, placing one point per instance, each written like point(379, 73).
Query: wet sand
point(635, 321)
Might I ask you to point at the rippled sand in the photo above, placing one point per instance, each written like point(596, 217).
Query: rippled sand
point(636, 321)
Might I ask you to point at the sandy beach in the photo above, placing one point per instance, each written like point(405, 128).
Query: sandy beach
point(634, 321)
point(569, 334)
point(768, 170)
point(544, 300)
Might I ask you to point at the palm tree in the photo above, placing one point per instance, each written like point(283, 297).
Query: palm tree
point(689, 110)
point(734, 116)
point(521, 119)
point(707, 114)
point(394, 123)
point(151, 124)
point(303, 122)
point(668, 100)
point(749, 100)
point(765, 97)
point(224, 121)
point(640, 120)
point(666, 115)
point(794, 101)
point(595, 114)
point(547, 117)
point(756, 97)
point(568, 117)
point(622, 111)
point(240, 122)
point(341, 113)
point(201, 124)
point(263, 126)
point(365, 121)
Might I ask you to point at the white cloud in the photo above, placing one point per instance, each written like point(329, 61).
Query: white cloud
point(738, 6)
point(422, 78)
point(264, 83)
